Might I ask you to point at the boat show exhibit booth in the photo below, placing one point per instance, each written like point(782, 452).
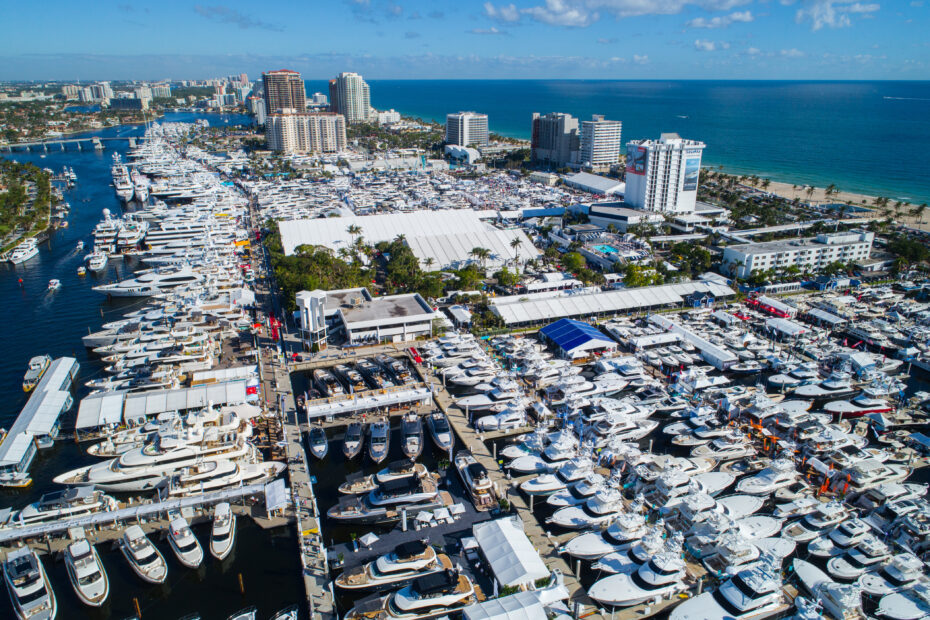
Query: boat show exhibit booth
point(574, 339)
point(508, 550)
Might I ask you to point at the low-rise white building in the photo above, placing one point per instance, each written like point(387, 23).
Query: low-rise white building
point(813, 253)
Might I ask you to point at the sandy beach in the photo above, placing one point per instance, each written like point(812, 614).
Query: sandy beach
point(819, 196)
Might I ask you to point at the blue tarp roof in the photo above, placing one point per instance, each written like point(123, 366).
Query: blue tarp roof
point(567, 334)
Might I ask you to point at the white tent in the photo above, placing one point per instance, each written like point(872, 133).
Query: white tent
point(520, 606)
point(513, 559)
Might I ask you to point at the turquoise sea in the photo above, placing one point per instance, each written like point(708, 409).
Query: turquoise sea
point(868, 137)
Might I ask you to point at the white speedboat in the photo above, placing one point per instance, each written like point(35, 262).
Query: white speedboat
point(660, 577)
point(636, 555)
point(54, 284)
point(223, 532)
point(476, 480)
point(902, 572)
point(185, 545)
point(578, 492)
point(411, 435)
point(28, 585)
point(144, 558)
point(379, 440)
point(86, 573)
point(66, 504)
point(841, 601)
point(825, 516)
point(406, 562)
point(836, 386)
point(509, 418)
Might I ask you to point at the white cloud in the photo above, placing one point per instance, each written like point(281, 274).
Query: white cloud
point(721, 21)
point(505, 12)
point(640, 60)
point(580, 13)
point(753, 51)
point(491, 30)
point(792, 53)
point(832, 14)
point(703, 45)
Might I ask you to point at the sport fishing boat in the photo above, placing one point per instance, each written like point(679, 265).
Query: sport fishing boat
point(28, 585)
point(605, 506)
point(621, 534)
point(662, 576)
point(839, 600)
point(754, 592)
point(627, 561)
point(37, 367)
point(223, 532)
point(144, 557)
point(408, 561)
point(836, 386)
point(88, 578)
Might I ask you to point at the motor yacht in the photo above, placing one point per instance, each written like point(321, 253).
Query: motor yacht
point(26, 250)
point(28, 585)
point(185, 545)
point(840, 601)
point(510, 418)
point(151, 282)
point(88, 578)
point(354, 440)
point(327, 383)
point(319, 444)
point(578, 492)
point(357, 483)
point(65, 504)
point(379, 440)
point(411, 435)
point(662, 576)
point(397, 368)
point(389, 502)
point(729, 447)
point(779, 474)
point(602, 508)
point(696, 507)
point(144, 558)
point(825, 517)
point(865, 556)
point(352, 378)
point(671, 487)
point(496, 400)
point(435, 595)
point(567, 473)
point(840, 539)
point(440, 431)
point(902, 572)
point(637, 554)
point(913, 604)
point(374, 374)
point(408, 561)
point(552, 457)
point(223, 532)
point(97, 261)
point(753, 592)
point(834, 387)
point(628, 528)
point(476, 480)
point(889, 493)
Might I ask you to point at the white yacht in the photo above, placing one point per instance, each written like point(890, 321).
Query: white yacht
point(840, 539)
point(407, 561)
point(605, 506)
point(97, 261)
point(913, 604)
point(28, 585)
point(840, 601)
point(902, 572)
point(836, 386)
point(151, 282)
point(476, 480)
point(433, 596)
point(754, 592)
point(623, 532)
point(627, 561)
point(184, 544)
point(867, 555)
point(24, 251)
point(66, 504)
point(552, 457)
point(144, 557)
point(223, 532)
point(780, 473)
point(826, 516)
point(88, 578)
point(662, 576)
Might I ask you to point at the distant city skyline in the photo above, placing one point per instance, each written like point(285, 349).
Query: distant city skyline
point(421, 39)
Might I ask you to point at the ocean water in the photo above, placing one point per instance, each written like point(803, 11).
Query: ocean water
point(37, 322)
point(866, 137)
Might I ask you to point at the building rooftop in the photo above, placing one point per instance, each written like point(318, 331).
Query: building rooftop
point(596, 182)
point(787, 245)
point(389, 307)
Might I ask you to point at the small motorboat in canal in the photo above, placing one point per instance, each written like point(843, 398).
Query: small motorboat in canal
point(411, 431)
point(319, 445)
point(354, 440)
point(379, 441)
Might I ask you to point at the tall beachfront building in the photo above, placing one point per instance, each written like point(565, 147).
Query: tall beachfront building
point(349, 95)
point(662, 175)
point(283, 89)
point(467, 129)
point(293, 131)
point(555, 138)
point(600, 142)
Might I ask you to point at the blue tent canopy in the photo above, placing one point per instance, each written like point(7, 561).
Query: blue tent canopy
point(568, 334)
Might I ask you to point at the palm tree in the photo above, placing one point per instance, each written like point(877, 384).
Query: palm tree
point(481, 255)
point(428, 261)
point(354, 229)
point(515, 244)
point(809, 191)
point(766, 183)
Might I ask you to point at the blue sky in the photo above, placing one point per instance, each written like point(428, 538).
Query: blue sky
point(610, 39)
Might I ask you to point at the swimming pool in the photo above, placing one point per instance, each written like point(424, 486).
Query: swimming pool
point(606, 249)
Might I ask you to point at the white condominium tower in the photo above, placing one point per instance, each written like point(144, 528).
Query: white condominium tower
point(349, 96)
point(662, 175)
point(600, 142)
point(467, 129)
point(290, 131)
